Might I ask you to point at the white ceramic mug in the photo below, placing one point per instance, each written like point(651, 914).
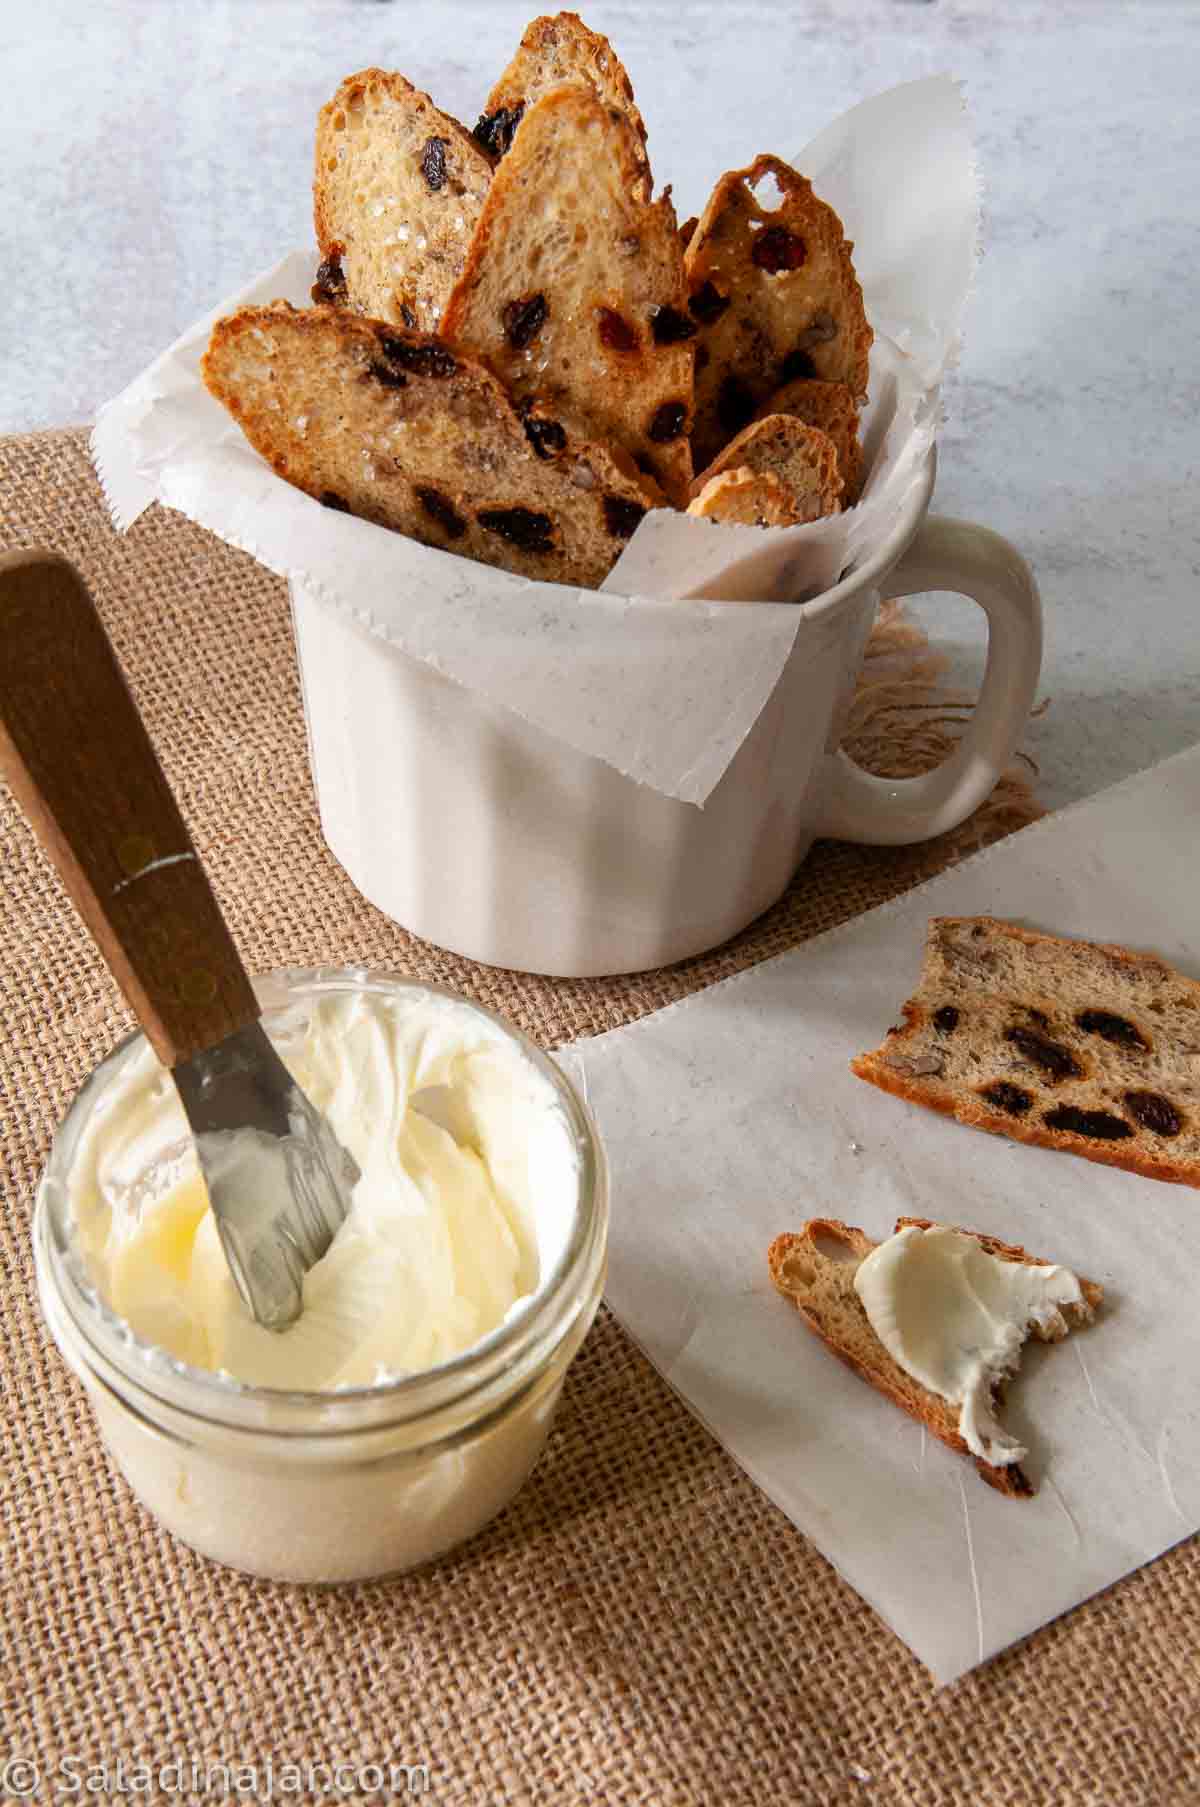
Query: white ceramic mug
point(491, 838)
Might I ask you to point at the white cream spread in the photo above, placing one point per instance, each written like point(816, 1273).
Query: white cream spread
point(444, 1239)
point(954, 1317)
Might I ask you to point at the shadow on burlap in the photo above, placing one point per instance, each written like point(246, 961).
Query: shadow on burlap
point(641, 1625)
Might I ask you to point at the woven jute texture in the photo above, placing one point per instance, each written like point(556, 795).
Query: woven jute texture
point(641, 1625)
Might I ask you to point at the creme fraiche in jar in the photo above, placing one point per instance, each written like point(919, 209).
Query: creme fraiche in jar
point(411, 1398)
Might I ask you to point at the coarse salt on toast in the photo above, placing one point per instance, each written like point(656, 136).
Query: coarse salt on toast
point(398, 429)
point(398, 189)
point(573, 290)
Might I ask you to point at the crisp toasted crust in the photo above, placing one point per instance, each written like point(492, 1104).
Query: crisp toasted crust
point(394, 217)
point(558, 48)
point(574, 281)
point(831, 408)
point(821, 1287)
point(1014, 991)
point(801, 458)
point(748, 498)
point(396, 428)
point(774, 293)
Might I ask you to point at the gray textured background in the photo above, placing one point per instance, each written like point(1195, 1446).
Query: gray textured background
point(157, 154)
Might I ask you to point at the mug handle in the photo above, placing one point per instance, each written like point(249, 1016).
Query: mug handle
point(972, 561)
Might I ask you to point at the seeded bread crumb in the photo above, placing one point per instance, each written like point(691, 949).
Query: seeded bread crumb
point(820, 1284)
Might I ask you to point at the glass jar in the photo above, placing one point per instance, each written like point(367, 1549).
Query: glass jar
point(335, 1486)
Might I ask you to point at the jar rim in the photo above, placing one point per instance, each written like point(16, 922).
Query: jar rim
point(110, 1342)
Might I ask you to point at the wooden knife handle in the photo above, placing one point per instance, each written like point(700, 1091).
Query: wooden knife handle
point(79, 761)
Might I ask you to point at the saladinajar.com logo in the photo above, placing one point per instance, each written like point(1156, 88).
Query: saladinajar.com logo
point(74, 1778)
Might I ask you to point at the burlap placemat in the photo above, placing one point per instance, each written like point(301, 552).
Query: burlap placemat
point(641, 1625)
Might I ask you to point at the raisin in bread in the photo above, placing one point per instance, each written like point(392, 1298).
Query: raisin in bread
point(1069, 1044)
point(748, 499)
point(775, 296)
point(556, 48)
point(397, 428)
point(820, 1284)
point(800, 457)
point(831, 408)
point(573, 290)
point(397, 193)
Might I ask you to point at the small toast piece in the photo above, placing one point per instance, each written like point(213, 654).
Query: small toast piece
point(748, 498)
point(802, 458)
point(775, 296)
point(1074, 1045)
point(821, 1287)
point(556, 48)
point(397, 428)
point(397, 192)
point(573, 291)
point(831, 407)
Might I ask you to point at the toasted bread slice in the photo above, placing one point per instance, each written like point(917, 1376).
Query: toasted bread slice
point(748, 498)
point(801, 458)
point(397, 193)
point(821, 1287)
point(556, 48)
point(831, 408)
point(774, 293)
point(573, 290)
point(397, 428)
point(1073, 1045)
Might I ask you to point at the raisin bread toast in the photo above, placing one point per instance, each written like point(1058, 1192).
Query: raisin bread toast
point(397, 428)
point(820, 1284)
point(573, 289)
point(749, 499)
point(556, 48)
point(831, 407)
point(775, 296)
point(1069, 1044)
point(397, 193)
point(802, 458)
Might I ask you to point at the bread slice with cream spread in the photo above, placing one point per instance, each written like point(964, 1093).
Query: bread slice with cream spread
point(816, 1266)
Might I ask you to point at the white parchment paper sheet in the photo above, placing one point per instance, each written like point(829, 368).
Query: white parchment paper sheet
point(733, 1116)
point(665, 695)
